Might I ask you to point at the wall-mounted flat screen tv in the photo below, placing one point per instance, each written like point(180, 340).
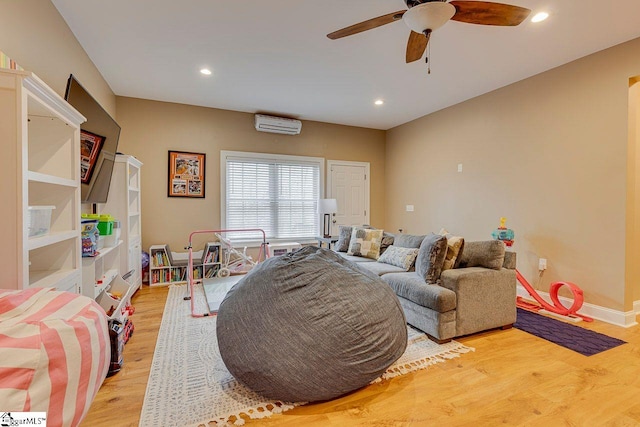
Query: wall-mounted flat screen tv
point(98, 143)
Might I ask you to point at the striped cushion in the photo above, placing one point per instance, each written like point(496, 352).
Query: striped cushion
point(54, 353)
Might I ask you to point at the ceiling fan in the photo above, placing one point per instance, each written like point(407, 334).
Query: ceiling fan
point(425, 16)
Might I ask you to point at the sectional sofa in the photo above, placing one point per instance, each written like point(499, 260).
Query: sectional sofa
point(446, 286)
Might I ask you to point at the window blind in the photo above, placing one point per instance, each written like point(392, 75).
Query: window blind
point(278, 195)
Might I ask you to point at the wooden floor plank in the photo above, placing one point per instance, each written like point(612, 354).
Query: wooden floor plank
point(512, 378)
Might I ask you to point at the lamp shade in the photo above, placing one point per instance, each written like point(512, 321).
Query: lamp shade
point(428, 16)
point(327, 206)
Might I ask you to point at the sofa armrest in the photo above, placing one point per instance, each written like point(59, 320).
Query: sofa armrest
point(486, 298)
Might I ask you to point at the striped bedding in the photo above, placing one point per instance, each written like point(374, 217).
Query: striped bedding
point(54, 353)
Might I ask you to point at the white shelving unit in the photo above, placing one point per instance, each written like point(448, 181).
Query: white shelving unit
point(40, 134)
point(124, 205)
point(164, 270)
point(98, 272)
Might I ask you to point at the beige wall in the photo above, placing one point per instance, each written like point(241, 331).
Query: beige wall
point(633, 192)
point(549, 153)
point(34, 34)
point(150, 129)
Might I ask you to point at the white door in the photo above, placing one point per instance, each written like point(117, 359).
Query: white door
point(348, 183)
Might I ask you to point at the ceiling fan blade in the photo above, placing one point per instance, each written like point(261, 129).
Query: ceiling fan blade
point(489, 13)
point(367, 25)
point(416, 46)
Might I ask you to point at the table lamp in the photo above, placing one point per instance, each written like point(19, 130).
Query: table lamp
point(327, 207)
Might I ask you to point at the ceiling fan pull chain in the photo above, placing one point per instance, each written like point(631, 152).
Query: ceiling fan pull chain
point(426, 59)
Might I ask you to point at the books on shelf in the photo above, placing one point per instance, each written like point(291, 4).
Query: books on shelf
point(163, 272)
point(212, 254)
point(160, 259)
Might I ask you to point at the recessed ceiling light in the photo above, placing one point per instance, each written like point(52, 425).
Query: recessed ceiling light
point(206, 71)
point(379, 102)
point(539, 17)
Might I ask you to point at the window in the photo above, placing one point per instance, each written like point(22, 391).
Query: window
point(276, 193)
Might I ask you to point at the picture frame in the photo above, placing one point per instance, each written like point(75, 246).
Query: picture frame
point(186, 174)
point(90, 146)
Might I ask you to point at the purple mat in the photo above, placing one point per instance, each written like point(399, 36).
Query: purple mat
point(575, 338)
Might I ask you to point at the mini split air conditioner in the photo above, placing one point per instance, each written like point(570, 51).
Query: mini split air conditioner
point(278, 125)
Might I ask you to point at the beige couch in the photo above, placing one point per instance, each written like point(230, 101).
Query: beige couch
point(478, 295)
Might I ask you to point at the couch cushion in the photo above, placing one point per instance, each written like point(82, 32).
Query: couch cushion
point(407, 240)
point(357, 259)
point(381, 268)
point(365, 243)
point(413, 288)
point(486, 253)
point(431, 255)
point(455, 245)
point(399, 257)
point(344, 237)
point(509, 260)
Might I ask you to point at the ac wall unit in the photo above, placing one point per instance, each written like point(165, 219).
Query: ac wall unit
point(278, 125)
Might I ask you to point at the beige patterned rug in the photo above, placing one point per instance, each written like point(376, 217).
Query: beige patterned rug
point(190, 386)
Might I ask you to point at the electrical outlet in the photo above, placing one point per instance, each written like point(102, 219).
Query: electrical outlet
point(459, 167)
point(410, 208)
point(542, 264)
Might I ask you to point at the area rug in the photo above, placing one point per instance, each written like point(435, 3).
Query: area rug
point(581, 340)
point(190, 386)
point(216, 289)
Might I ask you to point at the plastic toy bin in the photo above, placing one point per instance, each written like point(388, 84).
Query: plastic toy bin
point(39, 220)
point(116, 307)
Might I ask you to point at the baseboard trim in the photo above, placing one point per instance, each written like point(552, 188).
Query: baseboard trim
point(615, 317)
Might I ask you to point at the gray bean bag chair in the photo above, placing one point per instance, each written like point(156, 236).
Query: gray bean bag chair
point(309, 326)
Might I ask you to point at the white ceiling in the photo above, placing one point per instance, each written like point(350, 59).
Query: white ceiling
point(273, 56)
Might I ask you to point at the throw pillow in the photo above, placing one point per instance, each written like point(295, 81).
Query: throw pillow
point(365, 243)
point(399, 257)
point(407, 240)
point(387, 240)
point(486, 253)
point(455, 244)
point(431, 255)
point(344, 237)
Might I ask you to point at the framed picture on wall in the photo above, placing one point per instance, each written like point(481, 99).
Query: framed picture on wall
point(90, 146)
point(186, 174)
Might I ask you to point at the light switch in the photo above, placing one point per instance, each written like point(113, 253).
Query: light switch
point(459, 167)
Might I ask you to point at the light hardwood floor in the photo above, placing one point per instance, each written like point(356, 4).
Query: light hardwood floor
point(512, 379)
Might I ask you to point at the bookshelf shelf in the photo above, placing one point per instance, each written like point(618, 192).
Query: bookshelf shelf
point(124, 205)
point(99, 272)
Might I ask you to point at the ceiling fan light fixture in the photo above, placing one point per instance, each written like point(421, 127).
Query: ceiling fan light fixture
point(539, 17)
point(428, 16)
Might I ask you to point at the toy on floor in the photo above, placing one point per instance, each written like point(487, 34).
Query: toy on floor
point(507, 235)
point(230, 264)
point(233, 261)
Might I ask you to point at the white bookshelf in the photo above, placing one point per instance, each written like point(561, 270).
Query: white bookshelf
point(124, 204)
point(40, 134)
point(164, 269)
